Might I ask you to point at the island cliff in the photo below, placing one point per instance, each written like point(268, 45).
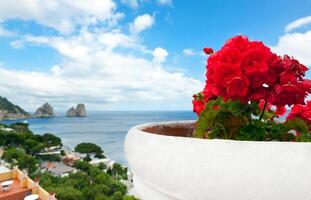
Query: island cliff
point(11, 111)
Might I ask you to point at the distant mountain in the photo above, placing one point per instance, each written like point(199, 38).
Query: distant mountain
point(9, 110)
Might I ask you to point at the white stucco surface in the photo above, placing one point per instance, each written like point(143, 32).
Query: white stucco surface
point(167, 167)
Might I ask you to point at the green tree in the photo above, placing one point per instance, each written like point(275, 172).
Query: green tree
point(99, 155)
point(117, 195)
point(14, 139)
point(82, 165)
point(87, 158)
point(102, 197)
point(32, 146)
point(28, 162)
point(102, 166)
point(51, 140)
point(78, 180)
point(89, 148)
point(119, 171)
point(65, 192)
point(62, 153)
point(20, 127)
point(117, 186)
point(129, 197)
point(12, 154)
point(19, 157)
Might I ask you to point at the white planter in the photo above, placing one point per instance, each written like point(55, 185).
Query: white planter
point(168, 167)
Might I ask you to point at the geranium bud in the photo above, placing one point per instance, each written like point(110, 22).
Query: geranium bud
point(208, 50)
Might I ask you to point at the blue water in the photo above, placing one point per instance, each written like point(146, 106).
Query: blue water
point(106, 129)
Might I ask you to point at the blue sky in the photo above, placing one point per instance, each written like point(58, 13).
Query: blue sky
point(132, 54)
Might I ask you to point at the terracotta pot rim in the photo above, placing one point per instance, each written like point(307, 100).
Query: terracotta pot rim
point(145, 129)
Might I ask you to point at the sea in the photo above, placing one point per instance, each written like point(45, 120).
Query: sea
point(104, 128)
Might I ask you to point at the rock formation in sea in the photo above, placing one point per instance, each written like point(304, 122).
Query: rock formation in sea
point(11, 111)
point(79, 111)
point(71, 112)
point(46, 110)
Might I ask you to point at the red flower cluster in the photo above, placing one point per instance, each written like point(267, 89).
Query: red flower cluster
point(199, 100)
point(198, 104)
point(301, 111)
point(248, 71)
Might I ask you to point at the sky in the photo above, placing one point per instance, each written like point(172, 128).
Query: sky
point(132, 54)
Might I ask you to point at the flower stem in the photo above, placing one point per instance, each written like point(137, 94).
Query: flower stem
point(263, 111)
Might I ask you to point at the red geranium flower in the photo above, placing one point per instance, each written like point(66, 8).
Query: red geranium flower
point(262, 104)
point(301, 111)
point(288, 94)
point(208, 92)
point(238, 86)
point(280, 110)
point(198, 106)
point(241, 42)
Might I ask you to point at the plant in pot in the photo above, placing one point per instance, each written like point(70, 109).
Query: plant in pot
point(241, 146)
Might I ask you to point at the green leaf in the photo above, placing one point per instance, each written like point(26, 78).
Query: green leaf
point(297, 124)
point(205, 122)
point(275, 131)
point(238, 108)
point(254, 132)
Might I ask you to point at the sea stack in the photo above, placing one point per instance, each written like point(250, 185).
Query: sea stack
point(10, 111)
point(79, 111)
point(44, 111)
point(71, 112)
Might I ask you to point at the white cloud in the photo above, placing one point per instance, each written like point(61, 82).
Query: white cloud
point(295, 44)
point(189, 52)
point(56, 70)
point(95, 73)
point(106, 81)
point(4, 32)
point(141, 23)
point(298, 23)
point(101, 66)
point(165, 2)
point(131, 3)
point(80, 46)
point(16, 44)
point(159, 55)
point(61, 15)
point(135, 3)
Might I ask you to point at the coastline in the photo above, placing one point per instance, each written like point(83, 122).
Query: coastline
point(105, 128)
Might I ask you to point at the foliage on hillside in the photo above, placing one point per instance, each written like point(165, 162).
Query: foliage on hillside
point(21, 145)
point(90, 182)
